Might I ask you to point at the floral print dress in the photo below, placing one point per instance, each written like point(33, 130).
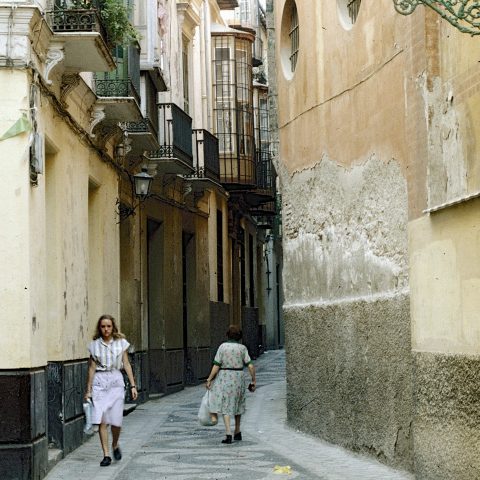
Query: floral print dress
point(227, 394)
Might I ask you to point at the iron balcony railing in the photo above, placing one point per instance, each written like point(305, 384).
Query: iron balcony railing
point(66, 18)
point(144, 126)
point(175, 134)
point(207, 161)
point(265, 172)
point(116, 88)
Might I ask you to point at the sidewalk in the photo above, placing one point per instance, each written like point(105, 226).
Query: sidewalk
point(162, 439)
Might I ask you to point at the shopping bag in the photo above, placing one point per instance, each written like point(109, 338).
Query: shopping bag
point(89, 429)
point(204, 412)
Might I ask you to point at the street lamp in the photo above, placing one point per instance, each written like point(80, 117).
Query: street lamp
point(142, 182)
point(462, 14)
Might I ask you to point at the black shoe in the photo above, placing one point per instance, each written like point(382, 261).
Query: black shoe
point(238, 437)
point(227, 439)
point(106, 462)
point(117, 453)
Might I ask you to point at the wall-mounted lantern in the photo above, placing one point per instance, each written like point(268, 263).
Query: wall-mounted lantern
point(142, 183)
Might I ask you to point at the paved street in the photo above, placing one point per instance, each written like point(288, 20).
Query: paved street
point(163, 440)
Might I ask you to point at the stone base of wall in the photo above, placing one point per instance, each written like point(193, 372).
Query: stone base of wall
point(199, 365)
point(66, 383)
point(447, 416)
point(166, 370)
point(349, 375)
point(23, 425)
point(140, 366)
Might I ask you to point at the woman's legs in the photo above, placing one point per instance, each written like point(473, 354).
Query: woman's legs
point(115, 436)
point(103, 434)
point(226, 421)
point(238, 419)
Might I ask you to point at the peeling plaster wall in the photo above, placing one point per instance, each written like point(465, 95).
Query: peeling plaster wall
point(447, 160)
point(347, 307)
point(344, 231)
point(343, 164)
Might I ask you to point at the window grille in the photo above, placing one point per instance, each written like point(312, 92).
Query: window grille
point(353, 7)
point(233, 108)
point(294, 37)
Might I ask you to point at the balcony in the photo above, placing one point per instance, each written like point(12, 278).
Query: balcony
point(117, 91)
point(205, 161)
point(175, 154)
point(144, 136)
point(264, 193)
point(80, 35)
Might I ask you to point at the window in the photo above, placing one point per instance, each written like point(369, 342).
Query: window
point(353, 8)
point(294, 37)
point(289, 39)
point(348, 12)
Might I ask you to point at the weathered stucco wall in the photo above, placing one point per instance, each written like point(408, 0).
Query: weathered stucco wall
point(344, 231)
point(347, 307)
point(344, 165)
point(447, 418)
point(349, 375)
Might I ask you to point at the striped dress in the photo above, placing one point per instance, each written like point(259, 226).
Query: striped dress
point(108, 388)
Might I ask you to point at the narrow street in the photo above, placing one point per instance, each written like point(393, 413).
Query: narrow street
point(162, 439)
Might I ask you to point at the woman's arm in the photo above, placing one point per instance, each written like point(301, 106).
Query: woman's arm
point(90, 374)
point(129, 371)
point(212, 375)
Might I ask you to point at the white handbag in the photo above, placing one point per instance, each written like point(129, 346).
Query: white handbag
point(89, 429)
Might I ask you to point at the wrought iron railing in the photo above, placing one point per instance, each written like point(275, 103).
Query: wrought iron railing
point(175, 133)
point(144, 126)
point(68, 17)
point(206, 154)
point(115, 88)
point(265, 172)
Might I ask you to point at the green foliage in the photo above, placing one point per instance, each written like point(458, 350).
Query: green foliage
point(116, 18)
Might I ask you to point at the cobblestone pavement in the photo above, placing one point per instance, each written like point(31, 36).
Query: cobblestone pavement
point(163, 440)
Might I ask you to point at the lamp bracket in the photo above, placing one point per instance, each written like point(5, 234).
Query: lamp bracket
point(462, 14)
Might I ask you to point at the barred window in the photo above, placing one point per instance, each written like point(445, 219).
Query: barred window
point(348, 12)
point(294, 37)
point(353, 7)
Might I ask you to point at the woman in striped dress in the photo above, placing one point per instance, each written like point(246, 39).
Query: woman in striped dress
point(105, 385)
point(227, 392)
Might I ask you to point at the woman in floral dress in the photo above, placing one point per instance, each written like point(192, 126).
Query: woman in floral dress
point(227, 392)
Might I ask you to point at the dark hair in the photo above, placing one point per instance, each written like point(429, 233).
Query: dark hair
point(234, 332)
point(115, 332)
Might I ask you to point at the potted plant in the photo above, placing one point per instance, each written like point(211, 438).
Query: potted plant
point(115, 16)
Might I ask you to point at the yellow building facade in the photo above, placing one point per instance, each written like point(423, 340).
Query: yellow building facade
point(83, 111)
